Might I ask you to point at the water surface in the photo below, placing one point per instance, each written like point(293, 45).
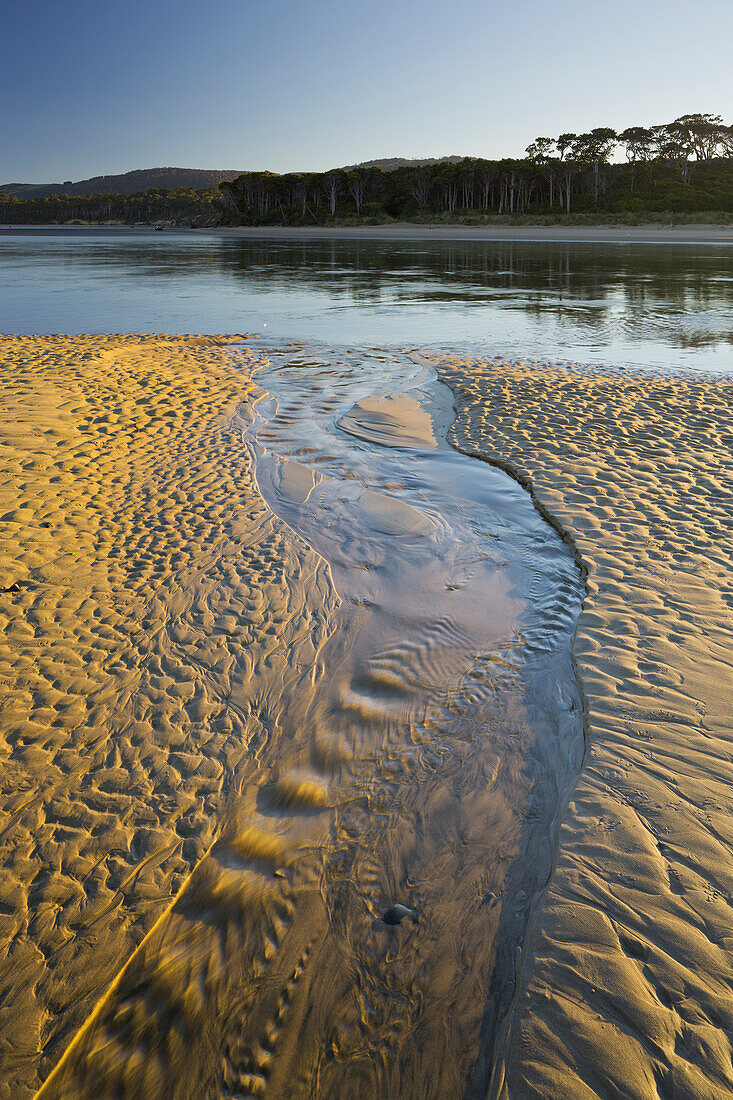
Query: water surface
point(421, 756)
point(665, 306)
point(448, 730)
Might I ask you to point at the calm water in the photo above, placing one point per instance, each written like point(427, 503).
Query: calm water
point(645, 305)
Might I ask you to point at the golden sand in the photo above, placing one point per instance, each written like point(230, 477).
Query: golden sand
point(628, 984)
point(155, 613)
point(270, 974)
point(149, 599)
point(353, 776)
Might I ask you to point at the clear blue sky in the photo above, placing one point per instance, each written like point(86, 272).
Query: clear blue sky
point(101, 87)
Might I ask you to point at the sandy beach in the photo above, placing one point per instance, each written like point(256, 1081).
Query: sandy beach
point(627, 988)
point(366, 552)
point(578, 234)
point(172, 868)
point(130, 525)
point(357, 780)
point(560, 234)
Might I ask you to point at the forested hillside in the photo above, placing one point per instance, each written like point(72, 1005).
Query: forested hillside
point(682, 167)
point(129, 183)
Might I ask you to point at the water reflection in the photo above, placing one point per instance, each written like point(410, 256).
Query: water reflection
point(660, 305)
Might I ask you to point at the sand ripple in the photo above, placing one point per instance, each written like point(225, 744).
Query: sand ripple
point(151, 606)
point(630, 988)
point(392, 421)
point(207, 803)
point(414, 747)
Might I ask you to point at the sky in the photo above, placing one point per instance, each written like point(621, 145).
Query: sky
point(91, 88)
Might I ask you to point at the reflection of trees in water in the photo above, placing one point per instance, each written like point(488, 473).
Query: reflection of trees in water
point(662, 289)
point(684, 277)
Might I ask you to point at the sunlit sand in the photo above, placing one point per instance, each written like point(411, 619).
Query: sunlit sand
point(628, 978)
point(278, 660)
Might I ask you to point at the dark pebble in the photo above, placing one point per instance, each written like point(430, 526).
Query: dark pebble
point(397, 913)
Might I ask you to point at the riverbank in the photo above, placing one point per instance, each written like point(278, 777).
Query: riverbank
point(560, 234)
point(626, 989)
point(572, 234)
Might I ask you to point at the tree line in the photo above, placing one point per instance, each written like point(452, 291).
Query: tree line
point(572, 172)
point(175, 206)
point(681, 167)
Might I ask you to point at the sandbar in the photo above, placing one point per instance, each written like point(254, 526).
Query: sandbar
point(627, 982)
point(561, 234)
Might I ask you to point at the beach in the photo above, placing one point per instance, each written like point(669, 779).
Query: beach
point(130, 524)
point(405, 231)
point(175, 885)
point(561, 234)
point(627, 987)
point(366, 553)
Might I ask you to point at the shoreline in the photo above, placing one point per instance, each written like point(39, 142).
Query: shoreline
point(552, 234)
point(558, 234)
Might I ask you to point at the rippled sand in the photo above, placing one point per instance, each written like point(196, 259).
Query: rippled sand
point(628, 989)
point(221, 772)
point(152, 609)
point(206, 806)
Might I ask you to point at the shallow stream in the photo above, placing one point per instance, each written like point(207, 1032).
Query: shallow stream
point(445, 731)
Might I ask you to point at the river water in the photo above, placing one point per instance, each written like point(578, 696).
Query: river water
point(660, 305)
point(449, 728)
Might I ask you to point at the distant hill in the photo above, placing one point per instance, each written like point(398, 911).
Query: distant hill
point(129, 183)
point(146, 179)
point(390, 163)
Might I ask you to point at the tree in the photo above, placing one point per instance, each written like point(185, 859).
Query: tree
point(358, 184)
point(637, 140)
point(466, 175)
point(486, 178)
point(332, 186)
point(447, 180)
point(565, 142)
point(727, 141)
point(595, 148)
point(705, 135)
point(421, 185)
point(676, 146)
point(540, 149)
point(569, 171)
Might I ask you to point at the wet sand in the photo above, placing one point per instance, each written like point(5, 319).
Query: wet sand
point(578, 234)
point(562, 234)
point(628, 986)
point(419, 756)
point(282, 743)
point(197, 846)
